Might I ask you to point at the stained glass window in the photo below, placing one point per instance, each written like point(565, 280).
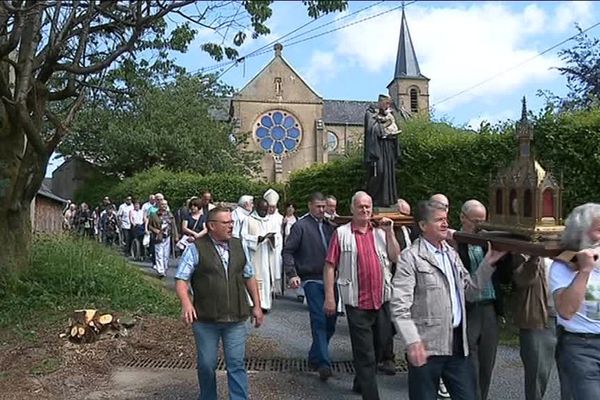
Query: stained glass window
point(278, 132)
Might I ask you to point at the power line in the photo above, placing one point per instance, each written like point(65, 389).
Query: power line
point(515, 66)
point(266, 48)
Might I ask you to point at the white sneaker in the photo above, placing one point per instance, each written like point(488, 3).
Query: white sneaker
point(442, 391)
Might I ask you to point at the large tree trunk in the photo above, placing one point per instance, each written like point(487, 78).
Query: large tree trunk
point(15, 236)
point(22, 170)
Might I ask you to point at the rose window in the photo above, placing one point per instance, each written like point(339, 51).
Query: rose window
point(278, 132)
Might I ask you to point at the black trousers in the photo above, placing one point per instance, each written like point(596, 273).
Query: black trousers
point(384, 336)
point(365, 337)
point(456, 370)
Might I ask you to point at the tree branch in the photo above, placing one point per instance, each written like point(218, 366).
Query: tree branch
point(61, 129)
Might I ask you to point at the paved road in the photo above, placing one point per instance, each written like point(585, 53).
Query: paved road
point(288, 325)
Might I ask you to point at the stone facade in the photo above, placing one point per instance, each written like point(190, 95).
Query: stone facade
point(294, 127)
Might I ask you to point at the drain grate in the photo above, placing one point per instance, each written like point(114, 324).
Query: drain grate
point(254, 364)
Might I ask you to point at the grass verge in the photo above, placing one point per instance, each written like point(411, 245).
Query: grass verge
point(66, 273)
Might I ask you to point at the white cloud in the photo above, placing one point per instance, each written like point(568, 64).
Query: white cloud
point(459, 46)
point(569, 13)
point(322, 65)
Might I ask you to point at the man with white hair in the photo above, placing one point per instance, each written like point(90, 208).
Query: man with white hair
point(575, 286)
point(275, 227)
point(442, 199)
point(241, 212)
point(428, 308)
point(364, 281)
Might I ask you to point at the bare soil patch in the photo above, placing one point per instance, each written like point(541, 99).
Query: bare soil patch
point(49, 367)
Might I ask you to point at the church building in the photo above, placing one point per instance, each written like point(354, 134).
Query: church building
point(295, 127)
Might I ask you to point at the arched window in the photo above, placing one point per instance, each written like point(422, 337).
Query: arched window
point(332, 141)
point(414, 100)
point(527, 204)
point(513, 203)
point(277, 132)
point(499, 207)
point(548, 203)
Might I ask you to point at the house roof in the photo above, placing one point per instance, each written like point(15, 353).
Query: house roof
point(45, 191)
point(351, 112)
point(220, 111)
point(407, 65)
point(278, 47)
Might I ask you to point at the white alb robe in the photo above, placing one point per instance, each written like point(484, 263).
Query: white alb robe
point(262, 255)
point(238, 216)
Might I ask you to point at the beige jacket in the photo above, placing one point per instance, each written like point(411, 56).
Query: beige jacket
point(421, 307)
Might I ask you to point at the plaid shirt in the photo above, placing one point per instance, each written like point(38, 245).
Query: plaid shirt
point(190, 258)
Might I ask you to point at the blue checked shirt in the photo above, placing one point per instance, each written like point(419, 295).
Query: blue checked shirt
point(190, 258)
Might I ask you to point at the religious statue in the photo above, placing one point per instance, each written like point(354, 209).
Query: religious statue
point(381, 152)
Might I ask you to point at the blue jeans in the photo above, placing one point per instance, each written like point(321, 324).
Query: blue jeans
point(579, 359)
point(321, 326)
point(233, 335)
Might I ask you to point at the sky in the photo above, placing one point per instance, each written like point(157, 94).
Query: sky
point(481, 57)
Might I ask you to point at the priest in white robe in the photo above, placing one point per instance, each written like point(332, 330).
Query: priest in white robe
point(259, 245)
point(276, 226)
point(241, 212)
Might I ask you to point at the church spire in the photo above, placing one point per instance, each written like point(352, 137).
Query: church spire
point(406, 59)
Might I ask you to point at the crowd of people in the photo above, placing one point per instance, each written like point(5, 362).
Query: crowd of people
point(442, 299)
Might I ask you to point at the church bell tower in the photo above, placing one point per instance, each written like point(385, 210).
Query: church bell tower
point(410, 88)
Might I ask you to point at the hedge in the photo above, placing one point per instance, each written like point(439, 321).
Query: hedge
point(176, 187)
point(437, 157)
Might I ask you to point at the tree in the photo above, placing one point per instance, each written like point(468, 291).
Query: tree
point(582, 70)
point(171, 125)
point(56, 54)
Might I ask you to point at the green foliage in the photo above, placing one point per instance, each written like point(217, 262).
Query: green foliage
point(582, 69)
point(435, 157)
point(169, 126)
point(179, 186)
point(66, 274)
point(259, 12)
point(569, 143)
point(340, 178)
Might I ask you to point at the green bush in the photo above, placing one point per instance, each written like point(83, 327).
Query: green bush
point(179, 186)
point(435, 157)
point(569, 144)
point(67, 273)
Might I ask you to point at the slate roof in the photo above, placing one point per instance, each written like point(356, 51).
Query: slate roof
point(220, 112)
point(407, 64)
point(341, 112)
point(45, 191)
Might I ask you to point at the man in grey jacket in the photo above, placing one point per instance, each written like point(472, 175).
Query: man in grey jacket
point(428, 308)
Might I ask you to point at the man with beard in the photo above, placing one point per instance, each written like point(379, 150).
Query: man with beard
point(575, 287)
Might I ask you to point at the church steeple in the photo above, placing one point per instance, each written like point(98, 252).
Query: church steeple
point(410, 88)
point(407, 64)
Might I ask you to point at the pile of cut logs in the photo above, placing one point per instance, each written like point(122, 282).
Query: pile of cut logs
point(85, 326)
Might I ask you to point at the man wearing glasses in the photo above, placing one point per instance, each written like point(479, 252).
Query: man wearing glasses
point(484, 308)
point(217, 270)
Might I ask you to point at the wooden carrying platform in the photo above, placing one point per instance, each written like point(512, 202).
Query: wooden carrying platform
point(506, 241)
point(399, 219)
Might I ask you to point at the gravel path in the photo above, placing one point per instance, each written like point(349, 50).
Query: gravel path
point(288, 325)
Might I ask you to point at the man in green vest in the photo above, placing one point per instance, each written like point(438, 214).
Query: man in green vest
point(220, 278)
